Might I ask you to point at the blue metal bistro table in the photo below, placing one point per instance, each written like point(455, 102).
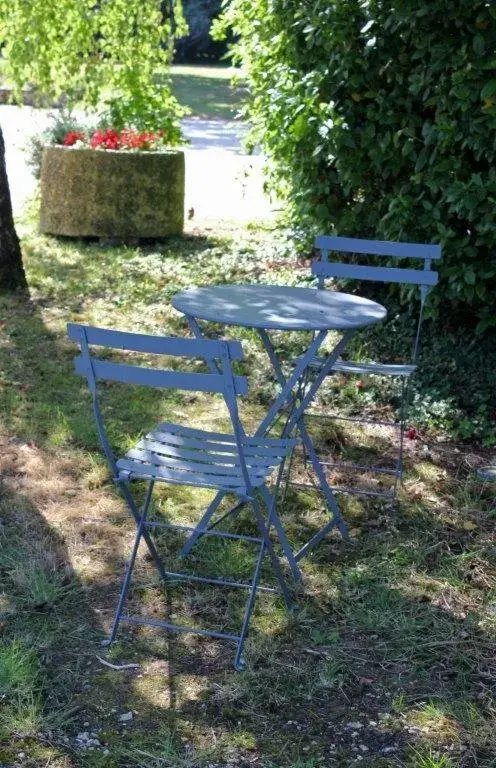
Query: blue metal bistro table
point(285, 308)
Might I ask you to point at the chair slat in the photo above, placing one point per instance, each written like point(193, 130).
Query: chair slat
point(380, 274)
point(212, 446)
point(160, 345)
point(152, 377)
point(378, 247)
point(196, 479)
point(225, 437)
point(379, 369)
point(187, 465)
point(210, 456)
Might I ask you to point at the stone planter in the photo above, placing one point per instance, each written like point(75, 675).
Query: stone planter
point(111, 193)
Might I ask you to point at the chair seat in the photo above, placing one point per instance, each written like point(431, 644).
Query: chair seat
point(186, 456)
point(379, 369)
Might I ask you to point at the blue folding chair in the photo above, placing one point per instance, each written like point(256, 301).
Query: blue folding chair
point(425, 278)
point(170, 453)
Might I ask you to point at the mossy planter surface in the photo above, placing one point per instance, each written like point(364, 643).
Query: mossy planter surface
point(111, 193)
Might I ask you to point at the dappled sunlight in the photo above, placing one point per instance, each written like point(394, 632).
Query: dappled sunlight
point(400, 615)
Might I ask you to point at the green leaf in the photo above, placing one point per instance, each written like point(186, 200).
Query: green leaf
point(469, 276)
point(489, 90)
point(479, 45)
point(421, 159)
point(299, 127)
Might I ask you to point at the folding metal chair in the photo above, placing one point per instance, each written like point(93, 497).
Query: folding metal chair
point(175, 454)
point(425, 278)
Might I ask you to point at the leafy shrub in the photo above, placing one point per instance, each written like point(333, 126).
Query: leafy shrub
point(104, 58)
point(378, 119)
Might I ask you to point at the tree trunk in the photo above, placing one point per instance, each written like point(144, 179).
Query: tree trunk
point(12, 277)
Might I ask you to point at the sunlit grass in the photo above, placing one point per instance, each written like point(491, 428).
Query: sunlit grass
point(394, 627)
point(207, 90)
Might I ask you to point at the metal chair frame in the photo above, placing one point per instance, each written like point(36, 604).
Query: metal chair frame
point(234, 463)
point(426, 279)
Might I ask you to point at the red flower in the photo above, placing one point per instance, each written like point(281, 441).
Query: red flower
point(411, 433)
point(108, 139)
point(132, 139)
point(129, 138)
point(72, 136)
point(359, 384)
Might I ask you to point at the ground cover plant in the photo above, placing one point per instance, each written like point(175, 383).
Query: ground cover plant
point(388, 661)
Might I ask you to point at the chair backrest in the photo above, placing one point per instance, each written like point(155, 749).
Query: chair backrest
point(161, 345)
point(218, 354)
point(425, 277)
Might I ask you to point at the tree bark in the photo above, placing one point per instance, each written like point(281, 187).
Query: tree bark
point(12, 277)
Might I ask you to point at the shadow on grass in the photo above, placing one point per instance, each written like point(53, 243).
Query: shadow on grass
point(394, 632)
point(48, 627)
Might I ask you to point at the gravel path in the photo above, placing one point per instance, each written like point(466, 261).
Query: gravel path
point(222, 181)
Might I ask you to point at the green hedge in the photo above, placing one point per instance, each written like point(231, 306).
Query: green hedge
point(379, 119)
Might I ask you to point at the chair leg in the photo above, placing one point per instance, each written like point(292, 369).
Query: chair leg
point(127, 578)
point(126, 583)
point(239, 663)
point(337, 518)
point(272, 554)
point(137, 517)
point(399, 465)
point(270, 501)
point(287, 476)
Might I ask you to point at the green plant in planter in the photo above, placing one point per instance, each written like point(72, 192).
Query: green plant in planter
point(102, 56)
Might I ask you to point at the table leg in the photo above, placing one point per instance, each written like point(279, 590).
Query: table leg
point(296, 421)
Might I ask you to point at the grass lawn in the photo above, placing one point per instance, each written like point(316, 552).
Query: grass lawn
point(388, 661)
point(207, 90)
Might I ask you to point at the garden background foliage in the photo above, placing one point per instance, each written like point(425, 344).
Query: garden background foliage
point(198, 45)
point(379, 120)
point(105, 55)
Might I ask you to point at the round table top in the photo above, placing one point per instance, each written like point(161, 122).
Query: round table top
point(279, 307)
